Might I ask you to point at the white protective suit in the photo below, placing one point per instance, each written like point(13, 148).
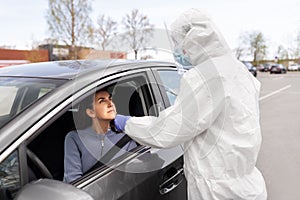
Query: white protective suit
point(215, 116)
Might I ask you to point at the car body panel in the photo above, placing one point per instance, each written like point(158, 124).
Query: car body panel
point(72, 69)
point(137, 173)
point(51, 189)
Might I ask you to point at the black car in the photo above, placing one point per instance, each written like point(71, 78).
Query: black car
point(278, 69)
point(252, 69)
point(40, 105)
point(267, 66)
point(263, 67)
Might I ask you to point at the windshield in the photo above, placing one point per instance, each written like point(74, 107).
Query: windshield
point(16, 94)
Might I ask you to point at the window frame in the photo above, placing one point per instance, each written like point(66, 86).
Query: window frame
point(64, 107)
point(160, 83)
point(147, 75)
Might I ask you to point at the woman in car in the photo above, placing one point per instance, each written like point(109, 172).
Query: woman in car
point(83, 148)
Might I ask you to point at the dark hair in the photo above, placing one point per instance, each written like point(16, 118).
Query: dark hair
point(81, 119)
point(113, 127)
point(90, 99)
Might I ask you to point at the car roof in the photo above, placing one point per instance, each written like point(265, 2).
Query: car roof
point(71, 69)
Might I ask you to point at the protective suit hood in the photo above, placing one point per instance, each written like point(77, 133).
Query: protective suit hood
point(197, 35)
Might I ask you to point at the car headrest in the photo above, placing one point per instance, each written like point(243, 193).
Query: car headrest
point(127, 100)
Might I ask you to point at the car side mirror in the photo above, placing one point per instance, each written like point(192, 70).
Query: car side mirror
point(48, 189)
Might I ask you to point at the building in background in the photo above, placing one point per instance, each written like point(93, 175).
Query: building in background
point(50, 52)
point(61, 52)
point(15, 57)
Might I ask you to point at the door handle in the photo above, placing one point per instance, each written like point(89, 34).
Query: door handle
point(171, 183)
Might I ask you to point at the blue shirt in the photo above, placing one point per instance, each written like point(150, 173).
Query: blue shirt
point(83, 148)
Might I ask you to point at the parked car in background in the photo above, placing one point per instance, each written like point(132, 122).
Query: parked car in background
point(252, 69)
point(268, 65)
point(40, 104)
point(278, 69)
point(263, 67)
point(260, 67)
point(294, 67)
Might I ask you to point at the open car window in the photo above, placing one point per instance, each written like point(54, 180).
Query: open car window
point(131, 95)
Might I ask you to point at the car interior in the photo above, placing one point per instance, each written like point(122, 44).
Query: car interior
point(45, 151)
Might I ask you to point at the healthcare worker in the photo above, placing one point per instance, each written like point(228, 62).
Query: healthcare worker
point(215, 116)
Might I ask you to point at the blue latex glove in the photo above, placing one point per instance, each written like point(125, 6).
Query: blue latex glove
point(120, 122)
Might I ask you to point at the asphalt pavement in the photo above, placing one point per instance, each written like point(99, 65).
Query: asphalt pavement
point(279, 158)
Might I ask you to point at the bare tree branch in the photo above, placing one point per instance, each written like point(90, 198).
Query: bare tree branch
point(69, 22)
point(105, 30)
point(138, 30)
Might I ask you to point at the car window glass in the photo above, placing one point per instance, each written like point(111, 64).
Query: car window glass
point(9, 176)
point(16, 94)
point(7, 97)
point(43, 91)
point(171, 82)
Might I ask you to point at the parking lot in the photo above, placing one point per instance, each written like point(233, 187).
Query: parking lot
point(279, 159)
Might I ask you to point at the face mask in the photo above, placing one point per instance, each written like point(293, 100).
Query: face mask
point(181, 58)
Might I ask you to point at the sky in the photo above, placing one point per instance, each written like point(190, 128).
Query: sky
point(23, 22)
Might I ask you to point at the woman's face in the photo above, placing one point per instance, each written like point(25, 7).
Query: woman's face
point(103, 107)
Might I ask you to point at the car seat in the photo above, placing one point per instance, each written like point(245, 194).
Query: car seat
point(127, 100)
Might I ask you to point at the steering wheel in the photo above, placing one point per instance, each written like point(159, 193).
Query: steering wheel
point(38, 164)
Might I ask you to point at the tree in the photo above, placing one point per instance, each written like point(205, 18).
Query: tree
point(138, 30)
point(282, 53)
point(107, 28)
point(296, 50)
point(69, 22)
point(240, 50)
point(255, 43)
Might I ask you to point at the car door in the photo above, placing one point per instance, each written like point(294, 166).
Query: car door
point(145, 173)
